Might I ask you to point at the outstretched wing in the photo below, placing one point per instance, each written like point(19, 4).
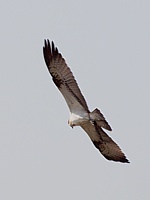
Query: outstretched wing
point(108, 148)
point(63, 78)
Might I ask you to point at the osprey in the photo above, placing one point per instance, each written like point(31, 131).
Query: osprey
point(93, 122)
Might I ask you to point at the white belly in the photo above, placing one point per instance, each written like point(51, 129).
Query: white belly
point(78, 119)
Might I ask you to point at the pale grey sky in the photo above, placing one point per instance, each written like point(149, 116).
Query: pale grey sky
point(107, 46)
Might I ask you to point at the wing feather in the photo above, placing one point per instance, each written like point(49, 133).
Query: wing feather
point(108, 148)
point(63, 77)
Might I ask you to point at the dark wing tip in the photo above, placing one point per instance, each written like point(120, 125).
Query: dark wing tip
point(49, 51)
point(125, 160)
point(121, 159)
point(51, 54)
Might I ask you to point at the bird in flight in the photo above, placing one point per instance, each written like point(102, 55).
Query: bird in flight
point(93, 122)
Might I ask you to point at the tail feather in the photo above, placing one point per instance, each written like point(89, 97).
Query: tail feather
point(97, 116)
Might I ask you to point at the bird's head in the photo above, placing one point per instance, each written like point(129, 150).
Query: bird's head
point(70, 123)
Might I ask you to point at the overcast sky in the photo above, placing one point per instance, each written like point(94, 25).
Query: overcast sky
point(107, 46)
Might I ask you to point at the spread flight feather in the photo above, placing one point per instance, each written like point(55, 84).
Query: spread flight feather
point(91, 122)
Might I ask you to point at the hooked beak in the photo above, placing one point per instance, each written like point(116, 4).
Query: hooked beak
point(71, 125)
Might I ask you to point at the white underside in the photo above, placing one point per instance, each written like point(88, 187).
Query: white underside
point(78, 115)
point(78, 119)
